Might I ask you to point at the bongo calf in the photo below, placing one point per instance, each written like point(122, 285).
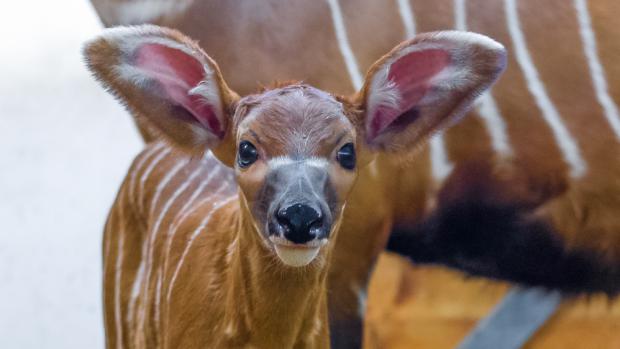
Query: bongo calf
point(222, 232)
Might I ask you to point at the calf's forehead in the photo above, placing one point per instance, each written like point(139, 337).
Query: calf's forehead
point(294, 120)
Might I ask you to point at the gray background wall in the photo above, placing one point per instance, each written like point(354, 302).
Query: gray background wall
point(65, 145)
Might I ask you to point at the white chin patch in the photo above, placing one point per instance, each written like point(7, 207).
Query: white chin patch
point(296, 256)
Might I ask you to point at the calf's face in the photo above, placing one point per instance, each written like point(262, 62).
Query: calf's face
point(296, 163)
point(296, 150)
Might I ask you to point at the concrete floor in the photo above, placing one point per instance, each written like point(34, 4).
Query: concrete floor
point(64, 147)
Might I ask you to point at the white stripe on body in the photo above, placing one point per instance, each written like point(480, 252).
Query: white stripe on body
point(406, 15)
point(460, 15)
point(441, 167)
point(154, 231)
point(495, 125)
point(162, 185)
point(596, 69)
point(196, 232)
point(184, 212)
point(565, 141)
point(147, 248)
point(135, 290)
point(132, 178)
point(144, 11)
point(157, 298)
point(118, 318)
point(147, 173)
point(486, 106)
point(343, 44)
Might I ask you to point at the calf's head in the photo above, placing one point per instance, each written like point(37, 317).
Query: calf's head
point(296, 150)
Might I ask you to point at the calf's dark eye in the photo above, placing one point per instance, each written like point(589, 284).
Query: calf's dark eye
point(346, 156)
point(247, 154)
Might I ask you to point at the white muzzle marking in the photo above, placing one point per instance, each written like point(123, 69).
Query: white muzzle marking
point(297, 255)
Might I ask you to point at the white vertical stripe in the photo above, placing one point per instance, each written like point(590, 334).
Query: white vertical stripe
point(486, 106)
point(117, 292)
point(566, 143)
point(147, 173)
point(135, 290)
point(406, 15)
point(343, 44)
point(495, 124)
point(196, 232)
point(441, 167)
point(164, 182)
point(460, 15)
point(157, 298)
point(150, 241)
point(163, 212)
point(440, 164)
point(596, 69)
point(132, 179)
point(184, 212)
point(117, 279)
point(175, 195)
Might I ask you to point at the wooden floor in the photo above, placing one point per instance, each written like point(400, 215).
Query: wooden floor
point(432, 307)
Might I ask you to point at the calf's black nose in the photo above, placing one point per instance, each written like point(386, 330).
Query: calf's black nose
point(298, 221)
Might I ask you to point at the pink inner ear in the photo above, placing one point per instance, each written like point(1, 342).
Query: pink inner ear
point(411, 75)
point(179, 72)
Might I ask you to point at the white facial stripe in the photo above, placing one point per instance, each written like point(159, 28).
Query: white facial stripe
point(285, 160)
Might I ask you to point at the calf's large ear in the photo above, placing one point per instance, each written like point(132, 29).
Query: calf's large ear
point(164, 77)
point(425, 85)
